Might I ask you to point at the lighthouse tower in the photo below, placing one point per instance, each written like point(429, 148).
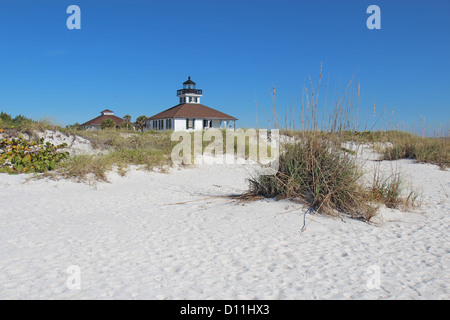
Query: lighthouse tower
point(189, 93)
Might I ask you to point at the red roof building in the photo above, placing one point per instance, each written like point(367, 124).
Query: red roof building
point(105, 114)
point(189, 114)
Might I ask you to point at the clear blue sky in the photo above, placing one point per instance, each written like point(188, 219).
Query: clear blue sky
point(131, 56)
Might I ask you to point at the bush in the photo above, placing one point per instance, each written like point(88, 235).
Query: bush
point(422, 149)
point(22, 156)
point(108, 124)
point(5, 117)
point(316, 173)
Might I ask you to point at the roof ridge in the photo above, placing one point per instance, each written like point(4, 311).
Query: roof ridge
point(104, 116)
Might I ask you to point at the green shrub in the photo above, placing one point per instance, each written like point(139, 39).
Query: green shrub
point(389, 191)
point(23, 156)
point(108, 124)
point(316, 173)
point(5, 117)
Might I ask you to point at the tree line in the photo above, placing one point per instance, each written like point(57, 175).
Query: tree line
point(20, 121)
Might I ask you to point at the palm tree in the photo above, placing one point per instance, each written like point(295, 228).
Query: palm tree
point(107, 124)
point(127, 119)
point(140, 122)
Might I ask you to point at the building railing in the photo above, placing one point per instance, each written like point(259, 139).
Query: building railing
point(184, 91)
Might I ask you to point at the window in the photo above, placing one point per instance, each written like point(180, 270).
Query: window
point(189, 123)
point(168, 124)
point(154, 127)
point(207, 123)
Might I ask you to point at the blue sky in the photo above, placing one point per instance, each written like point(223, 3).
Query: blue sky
point(131, 56)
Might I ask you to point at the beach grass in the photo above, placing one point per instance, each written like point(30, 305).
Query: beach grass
point(318, 169)
point(118, 149)
point(434, 150)
point(315, 172)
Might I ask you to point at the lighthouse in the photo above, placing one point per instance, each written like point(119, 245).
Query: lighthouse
point(189, 114)
point(189, 93)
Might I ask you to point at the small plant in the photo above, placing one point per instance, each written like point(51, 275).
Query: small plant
point(389, 191)
point(23, 156)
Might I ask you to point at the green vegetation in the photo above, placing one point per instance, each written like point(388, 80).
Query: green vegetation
point(119, 149)
point(316, 173)
point(127, 123)
point(140, 123)
point(392, 144)
point(320, 173)
point(388, 191)
point(316, 169)
point(24, 124)
point(108, 124)
point(23, 156)
point(422, 149)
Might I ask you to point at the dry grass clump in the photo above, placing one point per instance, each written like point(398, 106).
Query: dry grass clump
point(316, 173)
point(390, 191)
point(84, 167)
point(319, 173)
point(422, 149)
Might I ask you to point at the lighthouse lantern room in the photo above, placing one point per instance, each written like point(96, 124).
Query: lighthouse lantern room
point(189, 93)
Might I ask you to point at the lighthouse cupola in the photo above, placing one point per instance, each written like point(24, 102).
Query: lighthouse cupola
point(189, 93)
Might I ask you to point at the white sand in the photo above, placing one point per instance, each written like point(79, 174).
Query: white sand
point(131, 241)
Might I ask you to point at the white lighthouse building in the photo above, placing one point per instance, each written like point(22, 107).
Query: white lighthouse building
point(190, 114)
